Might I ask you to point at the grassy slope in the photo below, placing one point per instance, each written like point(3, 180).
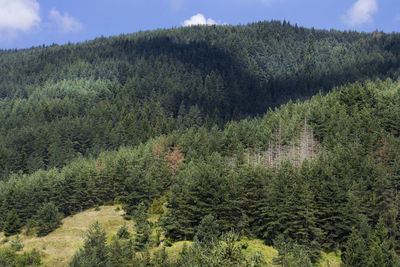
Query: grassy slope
point(59, 246)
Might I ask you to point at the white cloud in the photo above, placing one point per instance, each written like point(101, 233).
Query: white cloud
point(65, 22)
point(199, 19)
point(360, 13)
point(18, 16)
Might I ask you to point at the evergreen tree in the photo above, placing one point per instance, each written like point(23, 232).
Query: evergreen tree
point(291, 254)
point(121, 252)
point(356, 251)
point(207, 232)
point(95, 251)
point(12, 224)
point(48, 219)
point(123, 232)
point(381, 247)
point(142, 228)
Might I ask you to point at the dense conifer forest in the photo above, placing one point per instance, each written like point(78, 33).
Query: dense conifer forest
point(268, 130)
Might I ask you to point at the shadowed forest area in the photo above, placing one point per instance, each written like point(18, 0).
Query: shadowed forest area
point(228, 134)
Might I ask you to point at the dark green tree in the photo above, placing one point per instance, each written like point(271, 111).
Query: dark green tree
point(123, 232)
point(48, 219)
point(142, 227)
point(12, 224)
point(207, 233)
point(95, 251)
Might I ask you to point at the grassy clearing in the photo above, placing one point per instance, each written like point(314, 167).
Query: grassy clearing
point(59, 246)
point(176, 248)
point(256, 245)
point(331, 259)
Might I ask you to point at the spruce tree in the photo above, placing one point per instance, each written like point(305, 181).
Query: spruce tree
point(142, 227)
point(95, 251)
point(123, 232)
point(12, 225)
point(48, 219)
point(207, 232)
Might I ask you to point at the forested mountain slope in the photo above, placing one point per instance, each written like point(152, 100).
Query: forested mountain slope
point(61, 102)
point(323, 174)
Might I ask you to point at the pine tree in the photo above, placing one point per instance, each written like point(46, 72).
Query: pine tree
point(123, 232)
point(142, 228)
point(207, 232)
point(48, 219)
point(381, 246)
point(12, 224)
point(121, 252)
point(356, 251)
point(95, 251)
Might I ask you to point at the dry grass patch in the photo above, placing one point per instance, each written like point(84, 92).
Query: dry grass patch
point(59, 246)
point(332, 259)
point(256, 245)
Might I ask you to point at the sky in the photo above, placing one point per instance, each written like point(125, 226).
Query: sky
point(27, 23)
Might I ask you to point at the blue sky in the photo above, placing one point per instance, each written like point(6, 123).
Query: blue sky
point(26, 23)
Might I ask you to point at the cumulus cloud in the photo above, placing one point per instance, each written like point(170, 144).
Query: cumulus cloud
point(199, 19)
point(18, 16)
point(360, 13)
point(65, 22)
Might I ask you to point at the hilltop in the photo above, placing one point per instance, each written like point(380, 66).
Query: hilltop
point(268, 133)
point(61, 102)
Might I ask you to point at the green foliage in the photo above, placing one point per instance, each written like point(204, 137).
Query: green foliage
point(367, 247)
point(95, 251)
point(142, 228)
point(9, 257)
point(123, 232)
point(61, 102)
point(16, 244)
point(12, 224)
point(323, 174)
point(207, 232)
point(156, 207)
point(121, 251)
point(160, 258)
point(48, 219)
point(291, 254)
point(225, 252)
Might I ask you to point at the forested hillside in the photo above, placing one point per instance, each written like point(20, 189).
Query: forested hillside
point(61, 102)
point(227, 135)
point(322, 174)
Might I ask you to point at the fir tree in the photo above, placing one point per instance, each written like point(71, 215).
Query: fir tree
point(48, 219)
point(142, 228)
point(12, 224)
point(95, 251)
point(207, 232)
